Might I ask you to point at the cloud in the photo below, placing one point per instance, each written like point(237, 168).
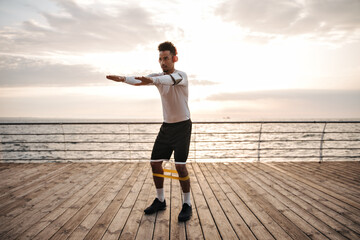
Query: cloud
point(70, 105)
point(83, 29)
point(288, 94)
point(195, 81)
point(19, 71)
point(22, 71)
point(328, 20)
point(295, 103)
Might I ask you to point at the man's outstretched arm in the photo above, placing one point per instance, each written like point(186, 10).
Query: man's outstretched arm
point(116, 78)
point(168, 79)
point(128, 80)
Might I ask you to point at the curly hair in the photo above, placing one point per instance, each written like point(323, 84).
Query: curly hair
point(168, 46)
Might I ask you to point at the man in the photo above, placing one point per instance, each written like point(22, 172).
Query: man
point(175, 132)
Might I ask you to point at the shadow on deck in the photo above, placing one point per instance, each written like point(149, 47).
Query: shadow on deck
point(230, 200)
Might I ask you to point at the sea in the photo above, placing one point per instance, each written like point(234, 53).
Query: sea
point(131, 140)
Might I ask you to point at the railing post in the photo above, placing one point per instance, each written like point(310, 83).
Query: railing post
point(129, 139)
point(63, 132)
point(259, 146)
point(321, 143)
point(1, 149)
point(195, 142)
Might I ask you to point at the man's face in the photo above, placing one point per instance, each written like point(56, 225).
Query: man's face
point(166, 61)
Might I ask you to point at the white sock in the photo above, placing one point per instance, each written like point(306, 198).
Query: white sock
point(186, 197)
point(160, 194)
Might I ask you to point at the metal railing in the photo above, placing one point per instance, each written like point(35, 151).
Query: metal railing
point(211, 141)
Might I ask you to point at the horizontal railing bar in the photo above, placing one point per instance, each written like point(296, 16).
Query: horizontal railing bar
point(195, 122)
point(289, 140)
point(191, 150)
point(134, 133)
point(78, 150)
point(263, 132)
point(239, 141)
point(80, 134)
point(146, 159)
point(71, 142)
point(136, 159)
point(308, 139)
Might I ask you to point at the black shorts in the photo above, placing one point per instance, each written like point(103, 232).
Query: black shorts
point(173, 137)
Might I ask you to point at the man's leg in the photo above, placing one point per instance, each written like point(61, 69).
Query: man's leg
point(157, 168)
point(186, 210)
point(181, 152)
point(159, 181)
point(159, 202)
point(182, 171)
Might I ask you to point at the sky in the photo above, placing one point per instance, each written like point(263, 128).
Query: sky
point(245, 59)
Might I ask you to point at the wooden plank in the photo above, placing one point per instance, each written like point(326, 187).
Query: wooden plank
point(336, 179)
point(33, 211)
point(301, 223)
point(87, 231)
point(117, 225)
point(336, 221)
point(14, 170)
point(162, 224)
point(33, 194)
point(315, 195)
point(147, 222)
point(276, 198)
point(112, 186)
point(177, 230)
point(48, 192)
point(55, 212)
point(231, 189)
point(4, 167)
point(320, 188)
point(12, 181)
point(72, 213)
point(264, 200)
point(315, 174)
point(34, 173)
point(193, 226)
point(207, 223)
point(350, 168)
point(222, 223)
point(275, 223)
point(276, 210)
point(95, 224)
point(237, 222)
point(38, 211)
point(261, 224)
point(132, 224)
point(11, 200)
point(336, 171)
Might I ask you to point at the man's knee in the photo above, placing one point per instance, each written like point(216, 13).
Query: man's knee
point(156, 166)
point(182, 170)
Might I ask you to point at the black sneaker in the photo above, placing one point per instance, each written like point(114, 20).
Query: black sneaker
point(186, 213)
point(155, 206)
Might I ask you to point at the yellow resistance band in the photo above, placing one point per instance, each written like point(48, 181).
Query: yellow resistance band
point(167, 176)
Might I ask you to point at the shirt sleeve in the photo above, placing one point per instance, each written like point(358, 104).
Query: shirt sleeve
point(131, 80)
point(171, 80)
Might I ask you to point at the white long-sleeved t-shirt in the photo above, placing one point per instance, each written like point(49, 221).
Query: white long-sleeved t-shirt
point(173, 89)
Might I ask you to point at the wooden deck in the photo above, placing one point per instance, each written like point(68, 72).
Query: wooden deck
point(230, 201)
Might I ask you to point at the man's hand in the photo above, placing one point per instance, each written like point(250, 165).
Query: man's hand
point(144, 81)
point(116, 78)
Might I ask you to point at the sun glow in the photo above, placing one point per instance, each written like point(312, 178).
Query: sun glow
point(234, 61)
